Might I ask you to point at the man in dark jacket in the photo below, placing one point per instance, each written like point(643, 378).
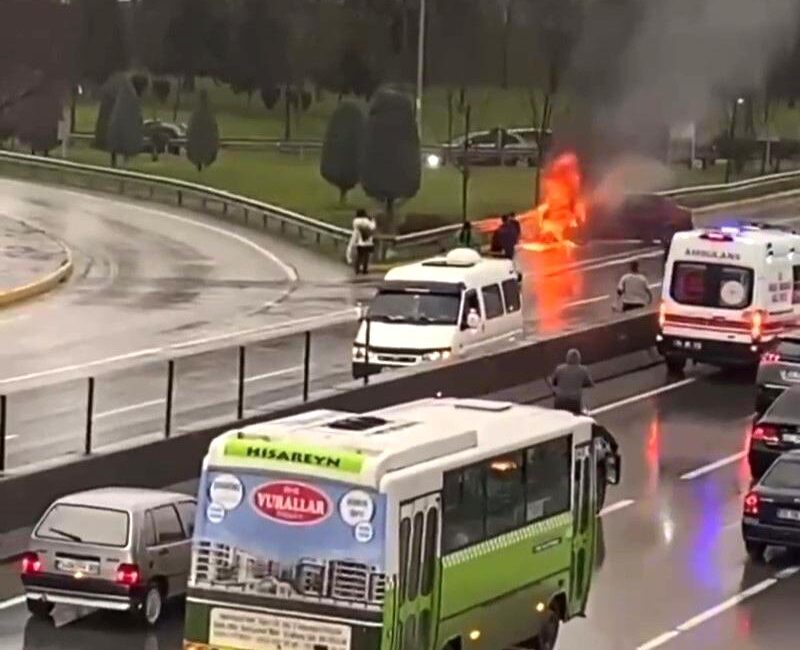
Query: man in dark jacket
point(568, 382)
point(506, 237)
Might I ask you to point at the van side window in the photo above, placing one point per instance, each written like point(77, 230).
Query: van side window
point(796, 286)
point(511, 295)
point(470, 302)
point(149, 529)
point(492, 301)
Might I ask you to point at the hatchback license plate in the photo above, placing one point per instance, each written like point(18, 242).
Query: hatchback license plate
point(687, 345)
point(76, 566)
point(785, 513)
point(792, 375)
point(793, 438)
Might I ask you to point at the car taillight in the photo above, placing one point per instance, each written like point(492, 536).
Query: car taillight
point(662, 315)
point(128, 574)
point(751, 503)
point(770, 357)
point(765, 433)
point(31, 563)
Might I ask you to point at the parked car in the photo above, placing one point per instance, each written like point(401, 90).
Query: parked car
point(163, 137)
point(775, 432)
point(771, 513)
point(648, 217)
point(778, 369)
point(111, 548)
point(495, 147)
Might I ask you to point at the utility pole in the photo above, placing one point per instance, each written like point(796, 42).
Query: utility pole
point(423, 10)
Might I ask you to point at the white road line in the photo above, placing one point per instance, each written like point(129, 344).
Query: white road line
point(589, 301)
point(80, 366)
point(712, 612)
point(12, 436)
point(706, 469)
point(619, 505)
point(614, 259)
point(12, 602)
point(659, 640)
point(275, 373)
point(643, 396)
point(128, 409)
point(728, 604)
point(617, 262)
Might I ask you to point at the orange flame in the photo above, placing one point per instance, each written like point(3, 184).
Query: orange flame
point(561, 212)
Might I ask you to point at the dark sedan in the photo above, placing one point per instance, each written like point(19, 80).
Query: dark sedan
point(778, 370)
point(776, 432)
point(771, 513)
point(647, 217)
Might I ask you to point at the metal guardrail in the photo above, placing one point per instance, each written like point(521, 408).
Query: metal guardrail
point(322, 233)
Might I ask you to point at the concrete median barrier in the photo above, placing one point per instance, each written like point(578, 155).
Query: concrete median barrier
point(24, 497)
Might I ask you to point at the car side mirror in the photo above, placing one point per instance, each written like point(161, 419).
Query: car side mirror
point(613, 469)
point(473, 320)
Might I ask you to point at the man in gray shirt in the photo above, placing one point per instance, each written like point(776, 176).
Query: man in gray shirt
point(633, 289)
point(568, 382)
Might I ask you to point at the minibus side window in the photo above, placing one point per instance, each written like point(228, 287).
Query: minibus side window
point(492, 301)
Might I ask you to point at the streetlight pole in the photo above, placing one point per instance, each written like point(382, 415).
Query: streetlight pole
point(423, 10)
point(732, 136)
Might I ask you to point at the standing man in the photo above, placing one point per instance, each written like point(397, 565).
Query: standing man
point(633, 289)
point(568, 382)
point(361, 242)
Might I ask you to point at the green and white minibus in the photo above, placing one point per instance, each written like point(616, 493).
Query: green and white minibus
point(440, 524)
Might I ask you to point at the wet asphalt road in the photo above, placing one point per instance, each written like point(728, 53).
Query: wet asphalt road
point(563, 289)
point(671, 556)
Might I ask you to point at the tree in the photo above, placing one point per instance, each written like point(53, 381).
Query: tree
point(102, 49)
point(341, 149)
point(108, 97)
point(37, 118)
point(125, 132)
point(391, 160)
point(202, 137)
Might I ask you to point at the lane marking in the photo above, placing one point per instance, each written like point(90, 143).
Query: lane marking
point(619, 262)
point(707, 615)
point(619, 505)
point(706, 469)
point(715, 611)
point(127, 409)
point(589, 301)
point(12, 602)
point(642, 396)
point(658, 641)
point(274, 373)
point(617, 258)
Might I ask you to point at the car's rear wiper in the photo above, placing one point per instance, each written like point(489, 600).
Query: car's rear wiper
point(63, 533)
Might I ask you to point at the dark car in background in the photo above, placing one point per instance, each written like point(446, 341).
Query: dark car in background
point(771, 512)
point(163, 137)
point(648, 217)
point(778, 369)
point(775, 432)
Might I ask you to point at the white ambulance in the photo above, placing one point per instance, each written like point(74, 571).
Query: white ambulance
point(438, 308)
point(727, 293)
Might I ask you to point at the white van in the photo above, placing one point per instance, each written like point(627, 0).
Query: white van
point(727, 293)
point(438, 308)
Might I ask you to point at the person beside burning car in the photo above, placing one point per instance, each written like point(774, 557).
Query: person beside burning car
point(506, 237)
point(633, 289)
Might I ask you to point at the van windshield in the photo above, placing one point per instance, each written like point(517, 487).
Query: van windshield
point(415, 307)
point(85, 525)
point(704, 284)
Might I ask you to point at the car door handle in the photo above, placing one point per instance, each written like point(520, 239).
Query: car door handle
point(164, 551)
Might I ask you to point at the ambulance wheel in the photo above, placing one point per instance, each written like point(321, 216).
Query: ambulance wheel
point(675, 365)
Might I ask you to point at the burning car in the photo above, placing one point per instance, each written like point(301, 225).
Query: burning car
point(648, 217)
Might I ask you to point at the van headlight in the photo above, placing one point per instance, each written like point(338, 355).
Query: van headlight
point(359, 352)
point(436, 355)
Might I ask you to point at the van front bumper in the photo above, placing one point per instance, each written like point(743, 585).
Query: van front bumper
point(722, 353)
point(84, 592)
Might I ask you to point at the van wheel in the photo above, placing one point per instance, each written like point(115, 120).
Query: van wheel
point(548, 635)
point(40, 608)
point(675, 365)
point(152, 605)
point(755, 551)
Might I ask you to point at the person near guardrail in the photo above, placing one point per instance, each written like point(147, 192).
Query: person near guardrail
point(633, 289)
point(506, 237)
point(568, 382)
point(361, 244)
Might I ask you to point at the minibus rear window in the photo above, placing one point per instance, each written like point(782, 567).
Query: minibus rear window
point(712, 285)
